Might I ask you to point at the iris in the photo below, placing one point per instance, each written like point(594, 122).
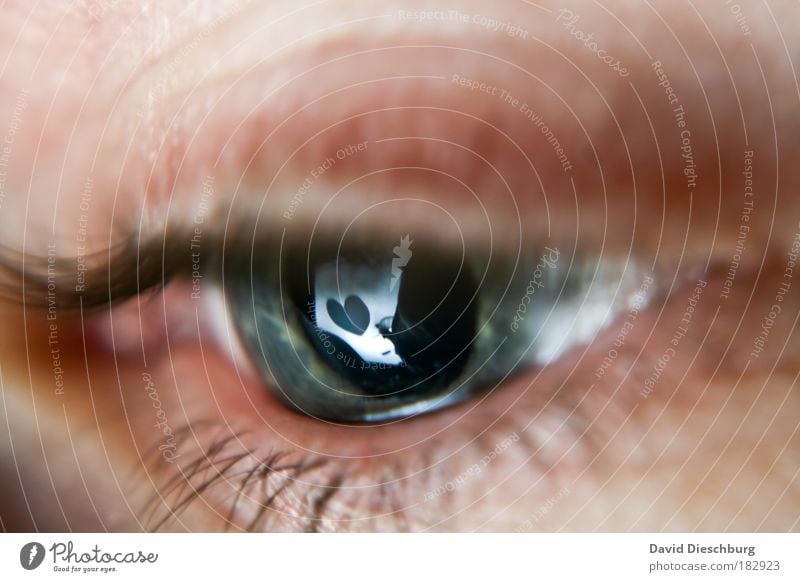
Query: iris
point(402, 333)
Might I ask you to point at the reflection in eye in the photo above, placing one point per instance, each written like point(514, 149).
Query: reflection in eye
point(369, 330)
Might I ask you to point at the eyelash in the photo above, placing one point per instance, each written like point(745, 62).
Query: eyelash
point(246, 468)
point(124, 271)
point(225, 464)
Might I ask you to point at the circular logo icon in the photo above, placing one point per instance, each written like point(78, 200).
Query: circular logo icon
point(31, 555)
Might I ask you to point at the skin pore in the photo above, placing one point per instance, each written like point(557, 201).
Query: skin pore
point(127, 121)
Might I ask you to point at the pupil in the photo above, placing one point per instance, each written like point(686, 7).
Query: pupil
point(394, 325)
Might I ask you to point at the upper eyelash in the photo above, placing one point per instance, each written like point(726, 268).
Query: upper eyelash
point(133, 266)
point(146, 261)
point(121, 272)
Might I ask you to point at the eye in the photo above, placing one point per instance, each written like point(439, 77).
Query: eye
point(359, 327)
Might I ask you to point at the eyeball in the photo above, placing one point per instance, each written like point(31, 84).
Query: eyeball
point(381, 328)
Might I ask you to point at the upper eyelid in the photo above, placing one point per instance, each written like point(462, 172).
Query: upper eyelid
point(35, 277)
point(127, 269)
point(120, 259)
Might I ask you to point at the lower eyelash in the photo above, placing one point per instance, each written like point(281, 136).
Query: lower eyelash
point(267, 481)
point(247, 489)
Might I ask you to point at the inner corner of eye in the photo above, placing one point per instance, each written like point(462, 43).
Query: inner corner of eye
point(380, 328)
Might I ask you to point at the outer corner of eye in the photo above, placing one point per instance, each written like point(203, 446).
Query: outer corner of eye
point(379, 331)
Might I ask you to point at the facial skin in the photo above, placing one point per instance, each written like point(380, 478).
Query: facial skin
point(116, 115)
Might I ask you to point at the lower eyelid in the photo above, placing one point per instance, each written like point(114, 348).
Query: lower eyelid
point(381, 475)
point(389, 479)
point(218, 397)
point(384, 471)
point(243, 489)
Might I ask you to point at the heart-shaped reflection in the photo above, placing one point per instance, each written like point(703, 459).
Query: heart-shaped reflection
point(353, 317)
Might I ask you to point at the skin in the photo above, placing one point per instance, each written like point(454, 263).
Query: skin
point(111, 106)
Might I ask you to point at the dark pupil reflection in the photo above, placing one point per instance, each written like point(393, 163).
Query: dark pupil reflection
point(390, 322)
